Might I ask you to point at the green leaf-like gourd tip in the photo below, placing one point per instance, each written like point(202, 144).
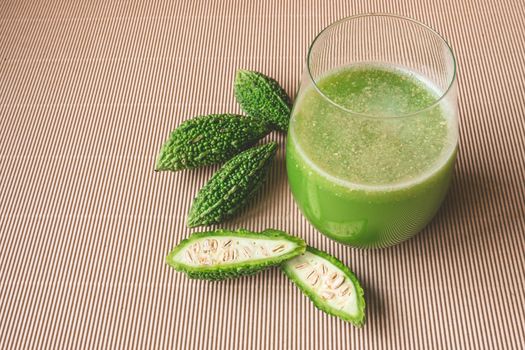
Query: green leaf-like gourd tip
point(232, 186)
point(222, 254)
point(209, 139)
point(261, 96)
point(332, 287)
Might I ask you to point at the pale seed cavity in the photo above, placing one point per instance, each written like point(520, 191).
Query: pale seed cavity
point(329, 284)
point(211, 251)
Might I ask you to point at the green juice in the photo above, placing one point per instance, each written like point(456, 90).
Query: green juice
point(359, 172)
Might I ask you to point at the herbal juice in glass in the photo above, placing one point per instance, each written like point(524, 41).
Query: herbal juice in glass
point(372, 143)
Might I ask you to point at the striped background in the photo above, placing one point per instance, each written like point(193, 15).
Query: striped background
point(90, 89)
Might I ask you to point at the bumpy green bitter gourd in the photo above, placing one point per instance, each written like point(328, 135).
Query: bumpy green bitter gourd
point(209, 139)
point(221, 254)
point(232, 186)
point(261, 96)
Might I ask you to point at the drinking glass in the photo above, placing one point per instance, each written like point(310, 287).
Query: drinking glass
point(373, 133)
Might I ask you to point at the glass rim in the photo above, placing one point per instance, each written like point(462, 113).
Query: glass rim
point(379, 14)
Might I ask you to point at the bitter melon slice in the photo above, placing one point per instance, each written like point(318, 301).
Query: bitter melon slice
point(331, 286)
point(222, 254)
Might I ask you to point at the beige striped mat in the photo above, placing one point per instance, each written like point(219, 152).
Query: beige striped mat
point(89, 91)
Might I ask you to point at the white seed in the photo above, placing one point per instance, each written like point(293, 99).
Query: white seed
point(345, 291)
point(313, 278)
point(227, 243)
point(338, 282)
point(213, 245)
point(278, 248)
point(226, 255)
point(204, 260)
point(196, 248)
point(234, 254)
point(206, 245)
point(188, 256)
point(333, 276)
point(301, 266)
point(324, 270)
point(316, 281)
point(264, 251)
point(327, 295)
point(247, 252)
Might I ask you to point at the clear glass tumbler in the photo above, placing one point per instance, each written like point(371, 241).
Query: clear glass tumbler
point(373, 134)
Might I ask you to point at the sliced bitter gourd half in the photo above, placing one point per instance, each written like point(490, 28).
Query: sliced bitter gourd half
point(222, 254)
point(331, 286)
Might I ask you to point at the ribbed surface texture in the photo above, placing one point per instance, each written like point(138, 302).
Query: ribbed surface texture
point(89, 91)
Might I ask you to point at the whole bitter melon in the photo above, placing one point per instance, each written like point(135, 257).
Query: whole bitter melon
point(232, 186)
point(331, 286)
point(222, 254)
point(263, 97)
point(209, 139)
